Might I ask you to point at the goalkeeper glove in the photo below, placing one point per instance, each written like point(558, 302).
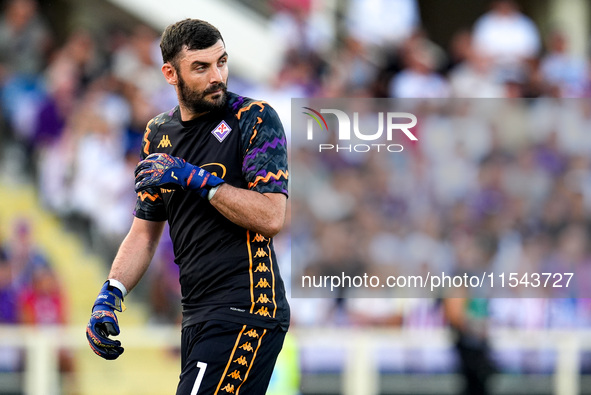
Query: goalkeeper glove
point(161, 169)
point(103, 322)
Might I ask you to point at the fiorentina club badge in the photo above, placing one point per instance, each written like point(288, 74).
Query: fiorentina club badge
point(221, 131)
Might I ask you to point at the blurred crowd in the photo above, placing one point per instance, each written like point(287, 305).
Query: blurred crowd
point(515, 188)
point(30, 291)
point(384, 51)
point(490, 186)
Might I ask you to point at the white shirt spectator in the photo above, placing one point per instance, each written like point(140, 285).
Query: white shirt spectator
point(379, 22)
point(506, 35)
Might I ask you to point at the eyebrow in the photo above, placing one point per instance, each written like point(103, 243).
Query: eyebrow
point(200, 63)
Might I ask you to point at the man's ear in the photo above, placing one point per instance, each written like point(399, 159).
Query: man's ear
point(169, 73)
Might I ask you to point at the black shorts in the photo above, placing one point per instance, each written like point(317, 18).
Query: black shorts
point(219, 357)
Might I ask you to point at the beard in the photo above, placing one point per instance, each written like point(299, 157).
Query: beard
point(197, 101)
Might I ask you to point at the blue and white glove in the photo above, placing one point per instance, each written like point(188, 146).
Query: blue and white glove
point(103, 322)
point(159, 170)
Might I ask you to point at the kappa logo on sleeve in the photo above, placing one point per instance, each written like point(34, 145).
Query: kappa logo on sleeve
point(221, 131)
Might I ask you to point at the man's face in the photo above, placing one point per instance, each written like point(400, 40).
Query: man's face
point(201, 78)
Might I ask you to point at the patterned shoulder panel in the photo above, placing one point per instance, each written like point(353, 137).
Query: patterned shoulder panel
point(248, 112)
point(264, 146)
point(152, 128)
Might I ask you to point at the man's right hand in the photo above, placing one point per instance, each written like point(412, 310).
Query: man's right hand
point(103, 322)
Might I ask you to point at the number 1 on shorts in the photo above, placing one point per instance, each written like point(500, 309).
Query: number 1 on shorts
point(201, 366)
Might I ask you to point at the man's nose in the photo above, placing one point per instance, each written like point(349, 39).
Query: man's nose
point(215, 76)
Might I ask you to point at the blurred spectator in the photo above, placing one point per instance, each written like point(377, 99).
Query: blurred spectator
point(550, 157)
point(382, 23)
point(137, 65)
point(8, 295)
point(19, 274)
point(307, 40)
point(25, 258)
point(351, 72)
point(526, 181)
point(419, 78)
point(570, 255)
point(52, 113)
point(55, 172)
point(24, 39)
point(299, 76)
point(506, 36)
point(75, 64)
point(42, 303)
point(563, 71)
point(24, 47)
point(137, 62)
point(474, 75)
point(99, 128)
point(460, 48)
point(10, 357)
point(300, 28)
point(72, 67)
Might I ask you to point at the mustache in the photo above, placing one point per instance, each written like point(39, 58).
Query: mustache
point(216, 87)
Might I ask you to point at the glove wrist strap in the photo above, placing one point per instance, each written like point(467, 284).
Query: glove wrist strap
point(111, 297)
point(212, 192)
point(117, 284)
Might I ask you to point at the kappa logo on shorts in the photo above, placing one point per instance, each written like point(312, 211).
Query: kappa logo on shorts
point(263, 298)
point(251, 333)
point(221, 131)
point(261, 268)
point(263, 283)
point(260, 253)
point(235, 375)
point(263, 311)
point(258, 238)
point(247, 347)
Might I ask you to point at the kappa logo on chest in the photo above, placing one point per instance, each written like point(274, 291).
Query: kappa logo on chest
point(221, 131)
point(164, 142)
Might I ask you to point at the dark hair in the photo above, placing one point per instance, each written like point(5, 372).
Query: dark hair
point(193, 34)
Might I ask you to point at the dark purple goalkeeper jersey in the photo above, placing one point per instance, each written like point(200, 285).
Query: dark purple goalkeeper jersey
point(226, 271)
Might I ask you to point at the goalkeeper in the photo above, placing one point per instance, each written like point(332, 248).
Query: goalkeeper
point(215, 168)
